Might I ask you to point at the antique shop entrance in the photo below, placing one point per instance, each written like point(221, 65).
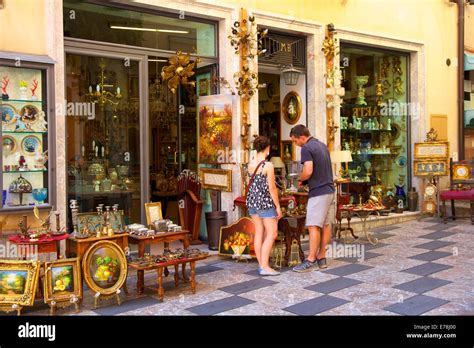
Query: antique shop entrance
point(282, 103)
point(136, 143)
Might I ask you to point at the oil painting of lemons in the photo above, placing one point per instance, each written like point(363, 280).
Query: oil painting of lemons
point(105, 268)
point(63, 279)
point(13, 282)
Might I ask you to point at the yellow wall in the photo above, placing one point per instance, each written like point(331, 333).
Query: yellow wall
point(431, 22)
point(469, 28)
point(23, 27)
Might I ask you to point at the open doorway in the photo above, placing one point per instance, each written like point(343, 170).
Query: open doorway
point(269, 111)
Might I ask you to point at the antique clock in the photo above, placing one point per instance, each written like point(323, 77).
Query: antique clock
point(430, 198)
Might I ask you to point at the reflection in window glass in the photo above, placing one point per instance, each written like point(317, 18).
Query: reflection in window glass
point(126, 27)
point(103, 148)
point(374, 121)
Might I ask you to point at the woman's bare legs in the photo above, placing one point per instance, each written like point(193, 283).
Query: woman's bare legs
point(271, 232)
point(258, 239)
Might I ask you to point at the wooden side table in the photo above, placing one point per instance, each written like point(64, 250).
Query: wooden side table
point(159, 267)
point(143, 241)
point(291, 234)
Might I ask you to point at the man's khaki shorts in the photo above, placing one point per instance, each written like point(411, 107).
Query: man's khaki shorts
point(320, 210)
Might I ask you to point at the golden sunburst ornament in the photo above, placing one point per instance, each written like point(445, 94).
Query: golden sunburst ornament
point(179, 71)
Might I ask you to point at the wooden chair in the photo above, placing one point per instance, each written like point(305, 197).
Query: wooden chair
point(461, 175)
point(190, 204)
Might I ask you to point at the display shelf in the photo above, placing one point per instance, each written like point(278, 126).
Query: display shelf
point(364, 130)
point(19, 101)
point(370, 153)
point(25, 171)
point(29, 132)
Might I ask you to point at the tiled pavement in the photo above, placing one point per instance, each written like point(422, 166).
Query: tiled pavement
point(418, 268)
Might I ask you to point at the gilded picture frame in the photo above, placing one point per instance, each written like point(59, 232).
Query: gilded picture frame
point(153, 212)
point(102, 275)
point(216, 179)
point(430, 167)
point(244, 225)
point(292, 107)
point(18, 281)
point(57, 287)
point(461, 171)
point(91, 220)
point(432, 150)
point(292, 146)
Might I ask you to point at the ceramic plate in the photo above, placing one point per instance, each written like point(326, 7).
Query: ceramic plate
point(29, 113)
point(8, 113)
point(30, 144)
point(9, 144)
point(401, 161)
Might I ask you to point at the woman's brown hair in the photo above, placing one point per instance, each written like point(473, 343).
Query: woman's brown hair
point(261, 142)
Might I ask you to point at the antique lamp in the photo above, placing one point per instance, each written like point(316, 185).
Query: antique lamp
point(290, 74)
point(343, 156)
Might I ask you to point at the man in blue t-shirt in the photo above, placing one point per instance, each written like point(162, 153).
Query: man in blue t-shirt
point(317, 170)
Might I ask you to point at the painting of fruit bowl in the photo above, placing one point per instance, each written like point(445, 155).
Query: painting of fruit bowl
point(237, 239)
point(105, 267)
point(18, 281)
point(215, 129)
point(62, 280)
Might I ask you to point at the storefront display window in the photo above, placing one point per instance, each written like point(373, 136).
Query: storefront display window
point(375, 118)
point(103, 144)
point(123, 26)
point(24, 111)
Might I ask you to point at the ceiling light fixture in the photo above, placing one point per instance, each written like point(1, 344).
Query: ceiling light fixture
point(149, 29)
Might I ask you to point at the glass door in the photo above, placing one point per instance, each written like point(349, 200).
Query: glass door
point(103, 134)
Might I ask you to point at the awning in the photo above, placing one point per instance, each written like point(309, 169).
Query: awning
point(468, 61)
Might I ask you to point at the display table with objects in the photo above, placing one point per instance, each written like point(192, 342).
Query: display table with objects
point(292, 236)
point(45, 244)
point(160, 262)
point(165, 237)
point(77, 247)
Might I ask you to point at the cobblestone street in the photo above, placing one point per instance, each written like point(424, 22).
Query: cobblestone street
point(417, 268)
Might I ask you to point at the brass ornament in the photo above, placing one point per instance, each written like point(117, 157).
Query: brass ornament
point(180, 70)
point(432, 135)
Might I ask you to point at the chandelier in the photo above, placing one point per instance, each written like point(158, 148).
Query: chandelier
point(100, 95)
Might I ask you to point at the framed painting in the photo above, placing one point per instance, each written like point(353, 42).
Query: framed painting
point(18, 281)
point(153, 212)
point(287, 150)
point(216, 179)
point(104, 267)
point(215, 128)
point(63, 283)
point(430, 167)
point(432, 150)
point(292, 107)
point(92, 220)
point(237, 238)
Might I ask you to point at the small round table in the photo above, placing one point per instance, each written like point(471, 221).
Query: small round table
point(364, 213)
point(45, 244)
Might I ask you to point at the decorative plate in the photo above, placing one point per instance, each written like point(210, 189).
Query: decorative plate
point(461, 171)
point(401, 161)
point(9, 144)
point(29, 113)
point(8, 114)
point(30, 144)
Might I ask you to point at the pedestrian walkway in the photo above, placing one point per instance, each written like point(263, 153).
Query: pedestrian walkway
point(418, 268)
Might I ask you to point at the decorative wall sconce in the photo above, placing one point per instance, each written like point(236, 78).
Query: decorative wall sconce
point(180, 70)
point(248, 36)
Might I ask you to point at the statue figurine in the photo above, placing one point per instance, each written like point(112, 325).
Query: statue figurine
point(389, 124)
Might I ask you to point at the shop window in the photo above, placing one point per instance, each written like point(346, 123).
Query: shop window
point(469, 114)
point(375, 119)
point(103, 134)
point(25, 127)
point(83, 20)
